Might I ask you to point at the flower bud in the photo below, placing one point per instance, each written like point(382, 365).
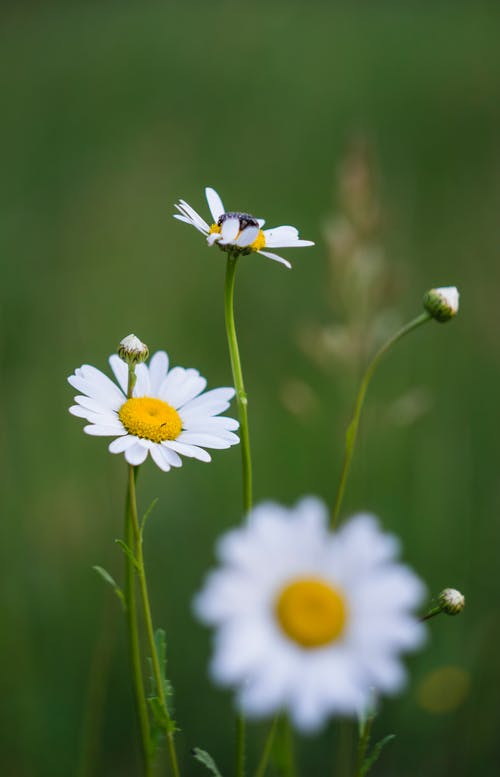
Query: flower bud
point(132, 351)
point(451, 601)
point(442, 303)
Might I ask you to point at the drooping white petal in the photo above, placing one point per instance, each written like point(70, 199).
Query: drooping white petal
point(185, 209)
point(214, 237)
point(229, 230)
point(214, 203)
point(247, 236)
point(276, 258)
point(191, 223)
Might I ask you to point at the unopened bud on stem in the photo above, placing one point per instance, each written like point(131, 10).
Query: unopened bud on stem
point(442, 303)
point(451, 601)
point(132, 351)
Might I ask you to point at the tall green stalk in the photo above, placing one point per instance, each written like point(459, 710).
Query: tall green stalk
point(166, 720)
point(246, 460)
point(352, 429)
point(131, 616)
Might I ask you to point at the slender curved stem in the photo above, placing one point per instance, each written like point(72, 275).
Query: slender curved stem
point(364, 740)
point(239, 385)
point(352, 429)
point(168, 726)
point(246, 459)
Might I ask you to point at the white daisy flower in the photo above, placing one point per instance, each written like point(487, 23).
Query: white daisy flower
point(239, 233)
point(309, 621)
point(167, 415)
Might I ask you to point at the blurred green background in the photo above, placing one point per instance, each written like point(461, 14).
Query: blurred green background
point(111, 111)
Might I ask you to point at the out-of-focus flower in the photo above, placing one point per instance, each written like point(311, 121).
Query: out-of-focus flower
point(167, 415)
point(309, 621)
point(239, 233)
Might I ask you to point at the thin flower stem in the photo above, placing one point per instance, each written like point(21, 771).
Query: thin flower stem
point(131, 617)
point(246, 459)
point(435, 611)
point(168, 726)
point(268, 746)
point(241, 395)
point(352, 429)
point(364, 739)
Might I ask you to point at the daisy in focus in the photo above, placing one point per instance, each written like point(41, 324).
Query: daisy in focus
point(167, 416)
point(309, 621)
point(239, 233)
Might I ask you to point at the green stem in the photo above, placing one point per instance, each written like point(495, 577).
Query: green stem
point(352, 429)
point(133, 633)
point(246, 459)
point(241, 395)
point(286, 764)
point(364, 739)
point(168, 726)
point(434, 611)
point(268, 746)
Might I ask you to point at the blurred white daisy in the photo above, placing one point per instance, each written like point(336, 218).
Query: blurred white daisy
point(308, 621)
point(167, 416)
point(239, 233)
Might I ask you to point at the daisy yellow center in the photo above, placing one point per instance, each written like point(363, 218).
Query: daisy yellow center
point(150, 418)
point(311, 612)
point(257, 245)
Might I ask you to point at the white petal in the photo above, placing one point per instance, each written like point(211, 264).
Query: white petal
point(171, 456)
point(280, 233)
point(247, 236)
point(214, 237)
point(158, 368)
point(229, 230)
point(276, 258)
point(91, 404)
point(191, 451)
point(261, 222)
point(136, 454)
point(214, 203)
point(216, 423)
point(122, 443)
point(99, 430)
point(104, 419)
point(142, 386)
point(181, 386)
point(210, 403)
point(205, 440)
point(120, 371)
point(191, 223)
point(159, 458)
point(187, 210)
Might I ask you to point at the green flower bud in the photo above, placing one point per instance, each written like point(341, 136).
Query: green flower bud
point(132, 351)
point(451, 601)
point(442, 303)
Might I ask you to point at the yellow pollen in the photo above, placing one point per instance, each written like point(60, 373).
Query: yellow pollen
point(150, 418)
point(259, 242)
point(311, 612)
point(214, 229)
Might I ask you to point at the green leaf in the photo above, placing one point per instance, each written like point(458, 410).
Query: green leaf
point(128, 552)
point(375, 754)
point(206, 759)
point(148, 513)
point(112, 582)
